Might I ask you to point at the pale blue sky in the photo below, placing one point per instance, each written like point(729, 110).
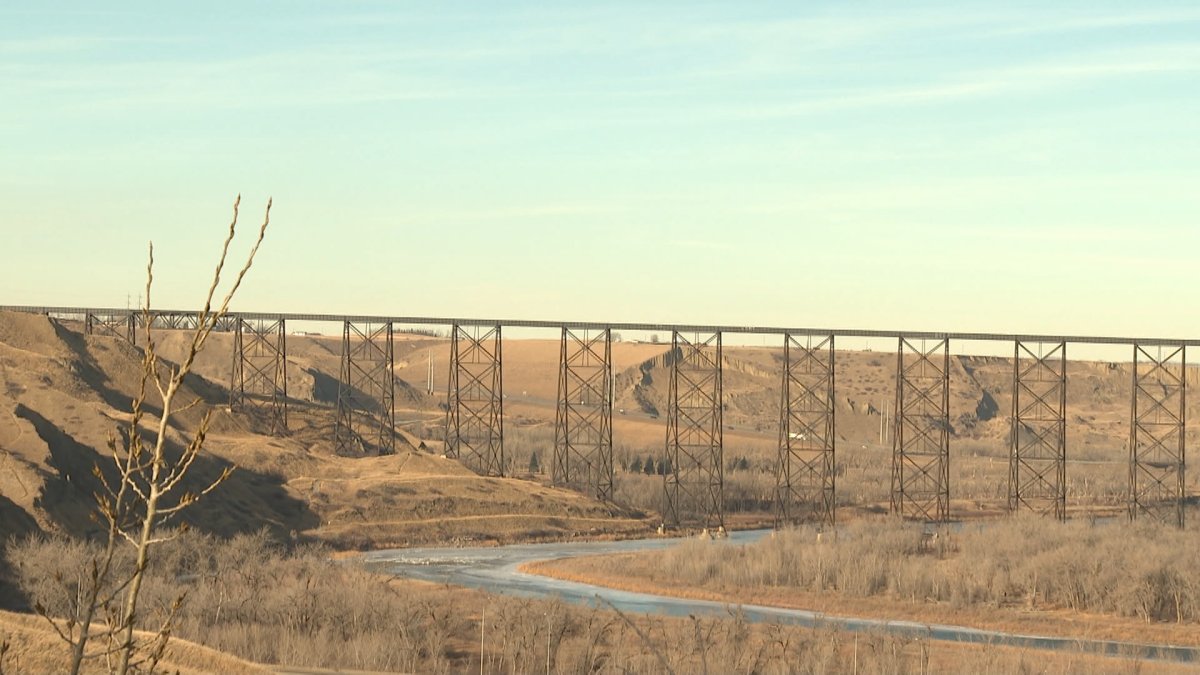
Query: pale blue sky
point(945, 167)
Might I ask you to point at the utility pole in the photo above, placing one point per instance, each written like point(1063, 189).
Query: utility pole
point(887, 425)
point(882, 417)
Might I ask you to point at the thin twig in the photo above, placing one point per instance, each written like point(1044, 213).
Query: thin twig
point(645, 640)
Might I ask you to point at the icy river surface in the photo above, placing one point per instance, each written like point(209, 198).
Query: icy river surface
point(495, 569)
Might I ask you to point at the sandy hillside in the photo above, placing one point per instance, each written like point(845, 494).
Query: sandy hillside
point(64, 394)
point(35, 648)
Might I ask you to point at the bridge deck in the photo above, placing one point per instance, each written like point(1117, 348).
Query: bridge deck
point(620, 326)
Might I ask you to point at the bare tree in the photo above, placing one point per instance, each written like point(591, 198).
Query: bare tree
point(148, 489)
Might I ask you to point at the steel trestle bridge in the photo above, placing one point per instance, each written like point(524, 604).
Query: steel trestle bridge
point(694, 481)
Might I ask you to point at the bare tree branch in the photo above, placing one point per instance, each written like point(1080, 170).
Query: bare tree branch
point(131, 501)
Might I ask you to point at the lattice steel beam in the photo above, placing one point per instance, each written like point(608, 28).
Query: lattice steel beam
point(114, 325)
point(171, 321)
point(366, 410)
point(475, 400)
point(695, 486)
point(583, 426)
point(259, 383)
point(921, 446)
point(1037, 458)
point(804, 472)
point(1157, 444)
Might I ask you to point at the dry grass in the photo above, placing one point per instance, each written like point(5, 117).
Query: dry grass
point(34, 648)
point(250, 598)
point(1115, 580)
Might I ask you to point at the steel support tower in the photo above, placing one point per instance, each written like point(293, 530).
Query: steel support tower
point(804, 472)
point(694, 490)
point(1157, 444)
point(1037, 453)
point(113, 325)
point(921, 445)
point(259, 383)
point(583, 426)
point(475, 400)
point(366, 410)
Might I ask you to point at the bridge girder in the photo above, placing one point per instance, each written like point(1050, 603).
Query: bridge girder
point(113, 325)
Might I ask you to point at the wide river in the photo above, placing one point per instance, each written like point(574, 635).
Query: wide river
point(494, 569)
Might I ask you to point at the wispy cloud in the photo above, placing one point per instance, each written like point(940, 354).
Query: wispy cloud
point(929, 196)
point(1135, 18)
point(505, 213)
point(280, 79)
point(990, 82)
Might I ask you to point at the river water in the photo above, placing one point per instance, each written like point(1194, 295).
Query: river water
point(494, 569)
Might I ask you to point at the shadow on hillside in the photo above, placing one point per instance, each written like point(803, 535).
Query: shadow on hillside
point(246, 502)
point(14, 520)
point(90, 371)
point(15, 523)
point(325, 388)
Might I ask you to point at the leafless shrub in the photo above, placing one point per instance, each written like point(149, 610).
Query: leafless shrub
point(144, 488)
point(251, 597)
point(1140, 570)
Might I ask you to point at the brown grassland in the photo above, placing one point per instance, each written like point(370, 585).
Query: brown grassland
point(1111, 580)
point(262, 587)
point(261, 603)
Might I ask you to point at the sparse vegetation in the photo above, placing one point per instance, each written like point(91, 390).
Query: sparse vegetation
point(1140, 570)
point(251, 597)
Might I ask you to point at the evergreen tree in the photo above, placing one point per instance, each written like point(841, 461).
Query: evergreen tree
point(636, 465)
point(648, 467)
point(534, 465)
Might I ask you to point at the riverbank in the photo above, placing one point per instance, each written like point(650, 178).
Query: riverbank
point(747, 574)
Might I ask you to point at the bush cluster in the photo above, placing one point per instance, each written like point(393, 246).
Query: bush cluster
point(1142, 569)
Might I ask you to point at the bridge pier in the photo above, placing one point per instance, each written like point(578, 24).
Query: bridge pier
point(366, 411)
point(921, 444)
point(475, 400)
point(114, 325)
point(804, 471)
point(1037, 459)
point(583, 425)
point(259, 382)
point(1157, 442)
point(694, 487)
